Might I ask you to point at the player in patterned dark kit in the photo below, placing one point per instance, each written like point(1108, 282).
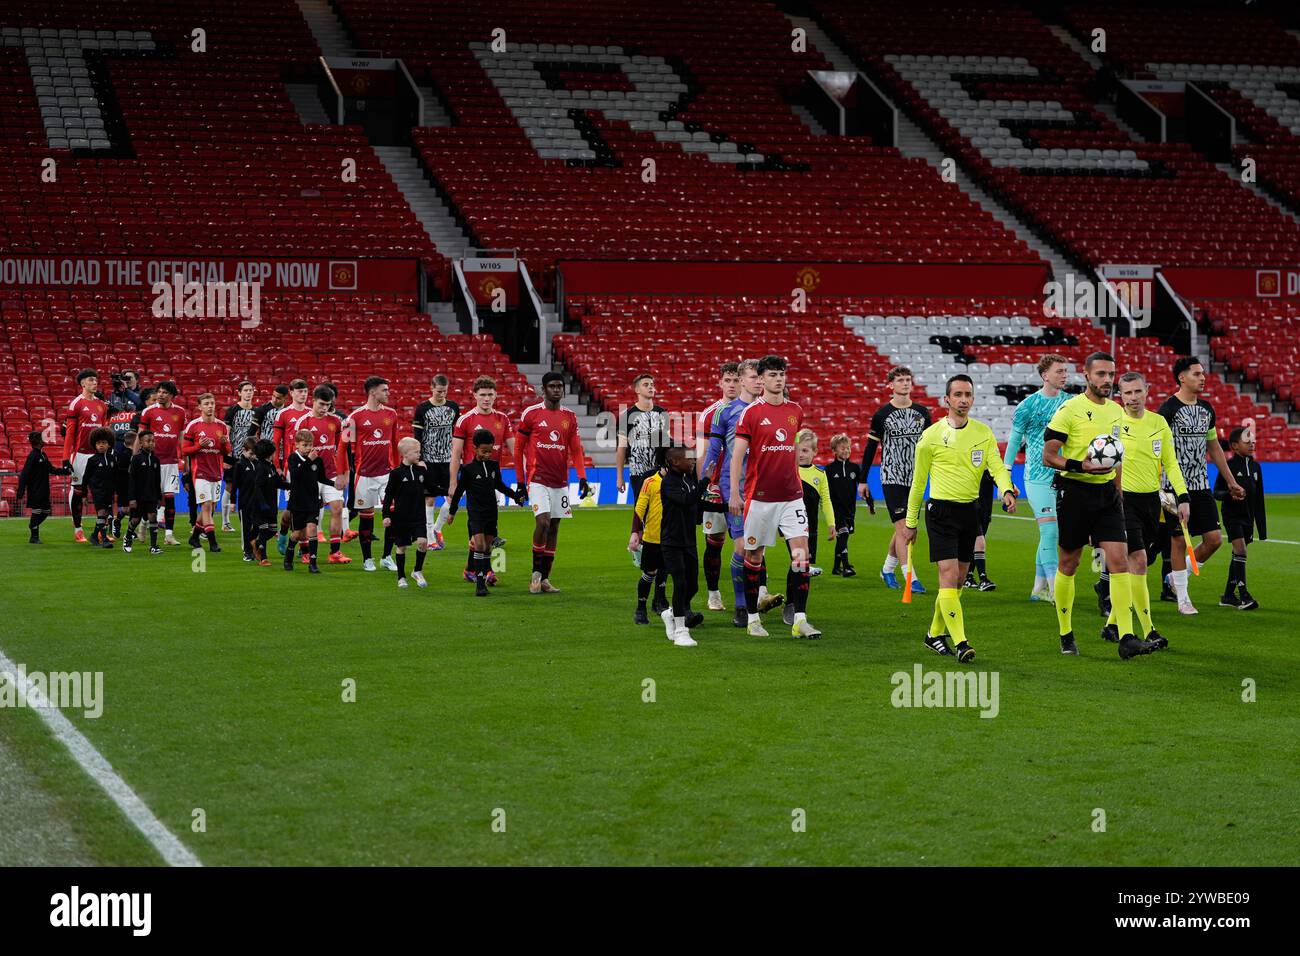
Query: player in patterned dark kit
point(773, 498)
point(895, 429)
point(372, 432)
point(548, 443)
point(435, 418)
point(1192, 420)
point(642, 435)
point(241, 418)
point(1027, 428)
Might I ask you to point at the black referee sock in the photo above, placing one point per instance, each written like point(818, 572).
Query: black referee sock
point(419, 559)
point(643, 589)
point(401, 565)
point(1236, 574)
point(979, 564)
point(388, 541)
point(661, 586)
point(311, 550)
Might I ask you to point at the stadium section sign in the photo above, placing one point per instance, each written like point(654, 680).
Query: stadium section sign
point(273, 275)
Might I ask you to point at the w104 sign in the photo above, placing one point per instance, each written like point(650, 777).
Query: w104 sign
point(272, 275)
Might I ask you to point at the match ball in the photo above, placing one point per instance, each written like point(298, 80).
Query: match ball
point(1106, 451)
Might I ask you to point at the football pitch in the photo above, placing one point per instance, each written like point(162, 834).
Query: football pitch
point(549, 729)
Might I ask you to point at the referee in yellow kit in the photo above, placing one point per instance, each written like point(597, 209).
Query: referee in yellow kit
point(953, 455)
point(1089, 506)
point(1148, 448)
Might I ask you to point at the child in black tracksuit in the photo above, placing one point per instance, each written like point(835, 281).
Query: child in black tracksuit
point(101, 483)
point(143, 492)
point(843, 477)
point(306, 475)
point(1241, 518)
point(681, 495)
point(257, 494)
point(403, 510)
point(478, 482)
point(34, 484)
point(122, 477)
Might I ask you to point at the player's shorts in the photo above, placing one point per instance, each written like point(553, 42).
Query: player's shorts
point(546, 500)
point(298, 520)
point(205, 490)
point(763, 519)
point(78, 463)
point(1203, 515)
point(122, 488)
point(1234, 528)
point(483, 523)
point(1142, 520)
point(715, 522)
point(1088, 512)
point(171, 479)
point(652, 557)
point(328, 493)
point(952, 527)
point(437, 476)
point(844, 520)
point(405, 535)
point(370, 492)
point(896, 500)
point(1042, 498)
point(144, 509)
point(103, 498)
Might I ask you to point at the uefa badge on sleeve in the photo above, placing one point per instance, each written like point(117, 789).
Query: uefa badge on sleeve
point(977, 457)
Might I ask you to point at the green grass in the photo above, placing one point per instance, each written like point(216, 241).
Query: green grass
point(223, 692)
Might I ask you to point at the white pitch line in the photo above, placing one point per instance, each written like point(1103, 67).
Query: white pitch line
point(173, 852)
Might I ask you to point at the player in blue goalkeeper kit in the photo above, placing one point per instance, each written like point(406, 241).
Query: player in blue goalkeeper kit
point(1031, 418)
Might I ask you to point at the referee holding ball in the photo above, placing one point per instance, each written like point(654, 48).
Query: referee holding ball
point(1089, 506)
point(953, 455)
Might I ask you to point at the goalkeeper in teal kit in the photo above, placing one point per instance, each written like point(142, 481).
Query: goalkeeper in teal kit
point(1032, 416)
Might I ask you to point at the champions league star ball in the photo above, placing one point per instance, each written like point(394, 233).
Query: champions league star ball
point(1106, 451)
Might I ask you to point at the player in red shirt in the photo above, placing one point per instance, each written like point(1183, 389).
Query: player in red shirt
point(85, 413)
point(548, 441)
point(715, 522)
point(371, 430)
point(328, 431)
point(206, 443)
point(166, 421)
point(482, 415)
point(282, 433)
point(773, 493)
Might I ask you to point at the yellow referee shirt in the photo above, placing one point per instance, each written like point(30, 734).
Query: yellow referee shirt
point(954, 460)
point(649, 508)
point(1081, 420)
point(1148, 447)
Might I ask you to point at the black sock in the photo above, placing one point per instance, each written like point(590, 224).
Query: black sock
point(661, 587)
point(211, 534)
point(712, 564)
point(753, 575)
point(979, 563)
point(419, 559)
point(1103, 586)
point(335, 544)
point(76, 507)
point(538, 558)
point(1241, 570)
point(153, 534)
point(762, 574)
point(388, 541)
point(367, 528)
point(288, 551)
point(802, 582)
point(169, 513)
point(401, 564)
point(479, 565)
point(643, 589)
point(311, 549)
point(33, 523)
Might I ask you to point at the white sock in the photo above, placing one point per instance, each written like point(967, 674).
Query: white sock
point(762, 591)
point(715, 594)
point(1179, 580)
point(754, 619)
point(441, 519)
point(1040, 582)
point(346, 517)
point(680, 622)
point(891, 562)
point(799, 617)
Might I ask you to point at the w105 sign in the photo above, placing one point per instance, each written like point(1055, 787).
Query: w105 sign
point(272, 275)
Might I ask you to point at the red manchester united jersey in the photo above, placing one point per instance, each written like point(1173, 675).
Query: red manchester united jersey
point(548, 440)
point(83, 416)
point(206, 444)
point(498, 423)
point(374, 438)
point(167, 424)
point(328, 430)
point(772, 465)
point(286, 427)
